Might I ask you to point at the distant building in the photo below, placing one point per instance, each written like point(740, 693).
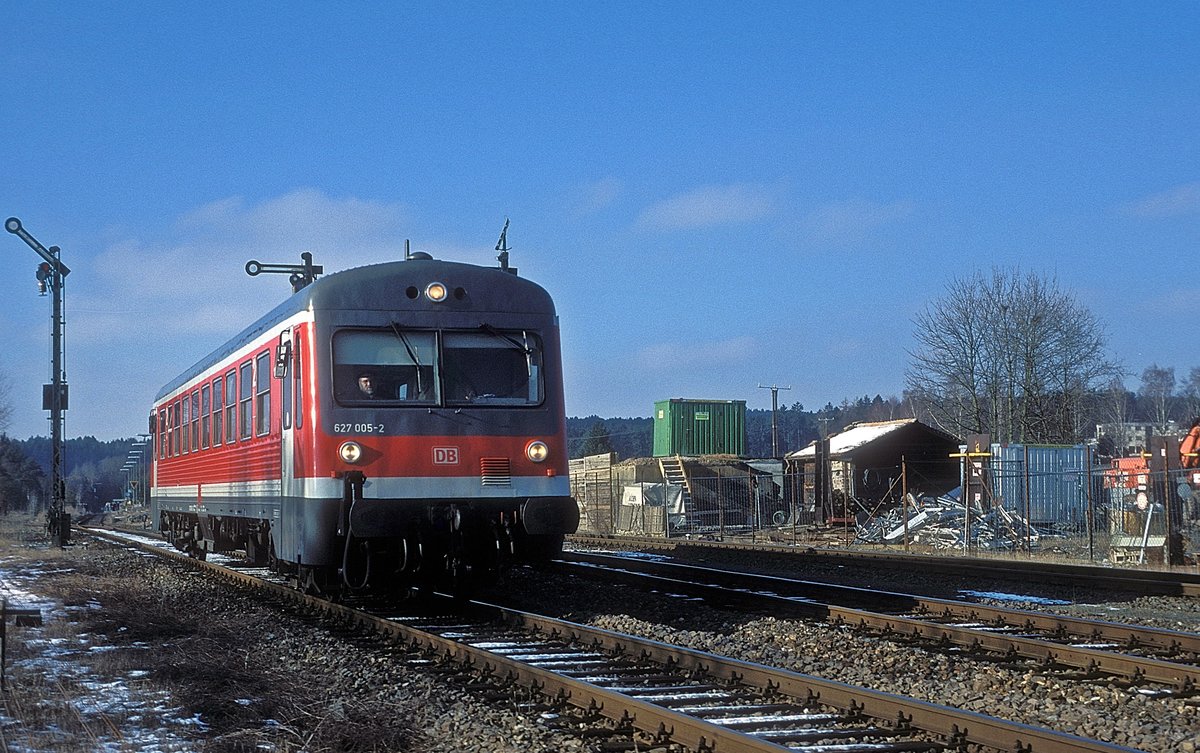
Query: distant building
point(1132, 438)
point(866, 461)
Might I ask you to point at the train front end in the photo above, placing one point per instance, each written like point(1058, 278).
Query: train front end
point(436, 448)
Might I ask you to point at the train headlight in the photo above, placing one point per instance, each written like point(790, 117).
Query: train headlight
point(351, 452)
point(436, 292)
point(537, 451)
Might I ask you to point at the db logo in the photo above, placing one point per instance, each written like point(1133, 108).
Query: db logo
point(445, 456)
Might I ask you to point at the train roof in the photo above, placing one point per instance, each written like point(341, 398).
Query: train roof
point(384, 287)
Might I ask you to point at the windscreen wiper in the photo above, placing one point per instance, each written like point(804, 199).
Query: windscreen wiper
point(523, 347)
point(412, 354)
point(507, 338)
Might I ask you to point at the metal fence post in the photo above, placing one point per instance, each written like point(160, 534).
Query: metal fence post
point(1091, 513)
point(1028, 507)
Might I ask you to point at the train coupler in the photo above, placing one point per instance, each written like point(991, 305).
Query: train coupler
point(352, 491)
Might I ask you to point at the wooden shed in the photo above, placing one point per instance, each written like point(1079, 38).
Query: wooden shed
point(868, 467)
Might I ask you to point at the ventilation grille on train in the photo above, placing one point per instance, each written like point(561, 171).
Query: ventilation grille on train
point(495, 472)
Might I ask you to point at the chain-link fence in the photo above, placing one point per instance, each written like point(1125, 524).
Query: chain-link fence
point(1059, 505)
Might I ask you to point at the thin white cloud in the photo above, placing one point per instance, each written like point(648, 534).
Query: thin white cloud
point(595, 196)
point(305, 218)
point(195, 284)
point(1176, 304)
point(847, 222)
point(1174, 202)
point(709, 206)
point(847, 347)
point(673, 356)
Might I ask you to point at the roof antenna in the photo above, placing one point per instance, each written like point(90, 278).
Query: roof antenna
point(407, 255)
point(502, 247)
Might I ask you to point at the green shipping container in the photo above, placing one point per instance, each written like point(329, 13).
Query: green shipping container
point(699, 427)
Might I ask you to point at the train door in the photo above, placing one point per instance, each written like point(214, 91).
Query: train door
point(286, 374)
point(285, 370)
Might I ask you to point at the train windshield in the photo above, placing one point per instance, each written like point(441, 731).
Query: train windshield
point(407, 367)
point(492, 367)
point(392, 366)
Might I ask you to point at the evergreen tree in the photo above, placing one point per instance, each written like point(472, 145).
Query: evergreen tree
point(20, 477)
point(597, 441)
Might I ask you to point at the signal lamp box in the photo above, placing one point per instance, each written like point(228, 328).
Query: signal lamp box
point(699, 427)
point(48, 396)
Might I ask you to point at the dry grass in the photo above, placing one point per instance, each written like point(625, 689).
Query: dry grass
point(136, 646)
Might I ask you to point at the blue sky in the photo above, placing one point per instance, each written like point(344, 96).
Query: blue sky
point(718, 195)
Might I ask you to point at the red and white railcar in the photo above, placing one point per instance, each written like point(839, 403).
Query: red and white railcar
point(384, 424)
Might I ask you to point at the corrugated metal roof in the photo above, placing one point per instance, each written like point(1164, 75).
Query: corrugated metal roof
point(856, 436)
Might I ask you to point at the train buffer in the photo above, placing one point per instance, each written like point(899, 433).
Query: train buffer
point(23, 617)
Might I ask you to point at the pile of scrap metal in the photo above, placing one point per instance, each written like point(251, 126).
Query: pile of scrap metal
point(941, 523)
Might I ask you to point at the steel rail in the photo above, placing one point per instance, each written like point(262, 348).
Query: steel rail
point(749, 593)
point(957, 727)
point(1153, 582)
point(951, 723)
point(1084, 628)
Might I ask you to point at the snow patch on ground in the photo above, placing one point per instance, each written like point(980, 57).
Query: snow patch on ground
point(1001, 596)
point(121, 714)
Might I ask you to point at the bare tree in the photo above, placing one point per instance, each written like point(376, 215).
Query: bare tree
point(1158, 392)
point(947, 374)
point(1191, 395)
point(1009, 354)
point(5, 402)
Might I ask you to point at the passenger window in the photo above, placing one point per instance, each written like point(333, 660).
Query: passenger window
point(230, 407)
point(187, 415)
point(245, 393)
point(195, 421)
point(218, 394)
point(262, 397)
point(204, 417)
point(162, 433)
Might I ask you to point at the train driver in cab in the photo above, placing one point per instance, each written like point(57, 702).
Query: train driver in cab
point(366, 385)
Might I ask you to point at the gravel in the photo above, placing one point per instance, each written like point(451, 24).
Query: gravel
point(254, 679)
point(1122, 716)
point(228, 672)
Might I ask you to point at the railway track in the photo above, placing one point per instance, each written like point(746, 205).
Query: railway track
point(1071, 647)
point(1149, 582)
point(660, 694)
